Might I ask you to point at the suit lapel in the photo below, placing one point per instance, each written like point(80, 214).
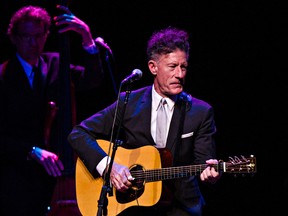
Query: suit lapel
point(174, 126)
point(44, 70)
point(146, 107)
point(16, 75)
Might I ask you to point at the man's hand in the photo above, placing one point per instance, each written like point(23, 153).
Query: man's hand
point(210, 174)
point(48, 160)
point(120, 177)
point(69, 22)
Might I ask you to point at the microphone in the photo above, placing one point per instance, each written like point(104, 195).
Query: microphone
point(100, 41)
point(136, 75)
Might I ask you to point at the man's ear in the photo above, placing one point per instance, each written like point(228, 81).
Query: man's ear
point(152, 65)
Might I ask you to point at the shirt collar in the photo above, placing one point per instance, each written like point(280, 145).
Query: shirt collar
point(26, 66)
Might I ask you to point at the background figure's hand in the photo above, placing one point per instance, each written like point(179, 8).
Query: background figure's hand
point(68, 21)
point(50, 161)
point(210, 174)
point(120, 177)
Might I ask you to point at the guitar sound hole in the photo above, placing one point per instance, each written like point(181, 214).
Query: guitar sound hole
point(135, 191)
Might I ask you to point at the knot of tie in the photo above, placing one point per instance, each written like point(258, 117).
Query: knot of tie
point(161, 124)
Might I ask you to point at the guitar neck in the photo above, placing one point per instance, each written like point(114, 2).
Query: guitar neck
point(236, 166)
point(170, 172)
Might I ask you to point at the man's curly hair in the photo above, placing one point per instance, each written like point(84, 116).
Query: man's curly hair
point(29, 13)
point(166, 41)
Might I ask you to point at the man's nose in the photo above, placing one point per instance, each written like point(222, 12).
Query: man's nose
point(180, 73)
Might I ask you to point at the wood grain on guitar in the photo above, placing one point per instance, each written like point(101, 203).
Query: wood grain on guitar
point(146, 167)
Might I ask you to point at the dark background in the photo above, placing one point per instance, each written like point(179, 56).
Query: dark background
point(238, 65)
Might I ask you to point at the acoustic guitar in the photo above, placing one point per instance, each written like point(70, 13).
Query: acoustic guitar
point(145, 166)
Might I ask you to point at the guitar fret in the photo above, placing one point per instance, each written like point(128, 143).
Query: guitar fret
point(169, 173)
point(182, 171)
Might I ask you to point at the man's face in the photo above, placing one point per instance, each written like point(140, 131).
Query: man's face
point(169, 72)
point(30, 40)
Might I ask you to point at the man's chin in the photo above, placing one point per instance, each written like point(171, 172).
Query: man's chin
point(32, 57)
point(176, 91)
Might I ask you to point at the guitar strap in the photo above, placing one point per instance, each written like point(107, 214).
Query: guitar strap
point(185, 103)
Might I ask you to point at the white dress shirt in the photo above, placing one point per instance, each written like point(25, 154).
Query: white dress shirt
point(155, 103)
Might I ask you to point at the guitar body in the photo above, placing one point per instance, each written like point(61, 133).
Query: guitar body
point(145, 165)
point(88, 188)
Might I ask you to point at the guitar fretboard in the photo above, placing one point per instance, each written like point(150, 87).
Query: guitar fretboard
point(169, 172)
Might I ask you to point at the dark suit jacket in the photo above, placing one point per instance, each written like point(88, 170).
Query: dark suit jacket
point(22, 122)
point(22, 116)
point(195, 144)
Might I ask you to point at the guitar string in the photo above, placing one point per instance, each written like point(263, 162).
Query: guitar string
point(184, 171)
point(169, 171)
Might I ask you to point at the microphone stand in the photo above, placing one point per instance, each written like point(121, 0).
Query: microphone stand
point(110, 70)
point(107, 188)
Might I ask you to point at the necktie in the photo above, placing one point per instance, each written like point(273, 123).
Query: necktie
point(161, 124)
point(37, 80)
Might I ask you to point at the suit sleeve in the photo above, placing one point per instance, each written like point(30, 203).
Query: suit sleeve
point(83, 138)
point(204, 144)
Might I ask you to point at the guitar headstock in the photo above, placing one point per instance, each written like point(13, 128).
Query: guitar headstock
point(239, 165)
